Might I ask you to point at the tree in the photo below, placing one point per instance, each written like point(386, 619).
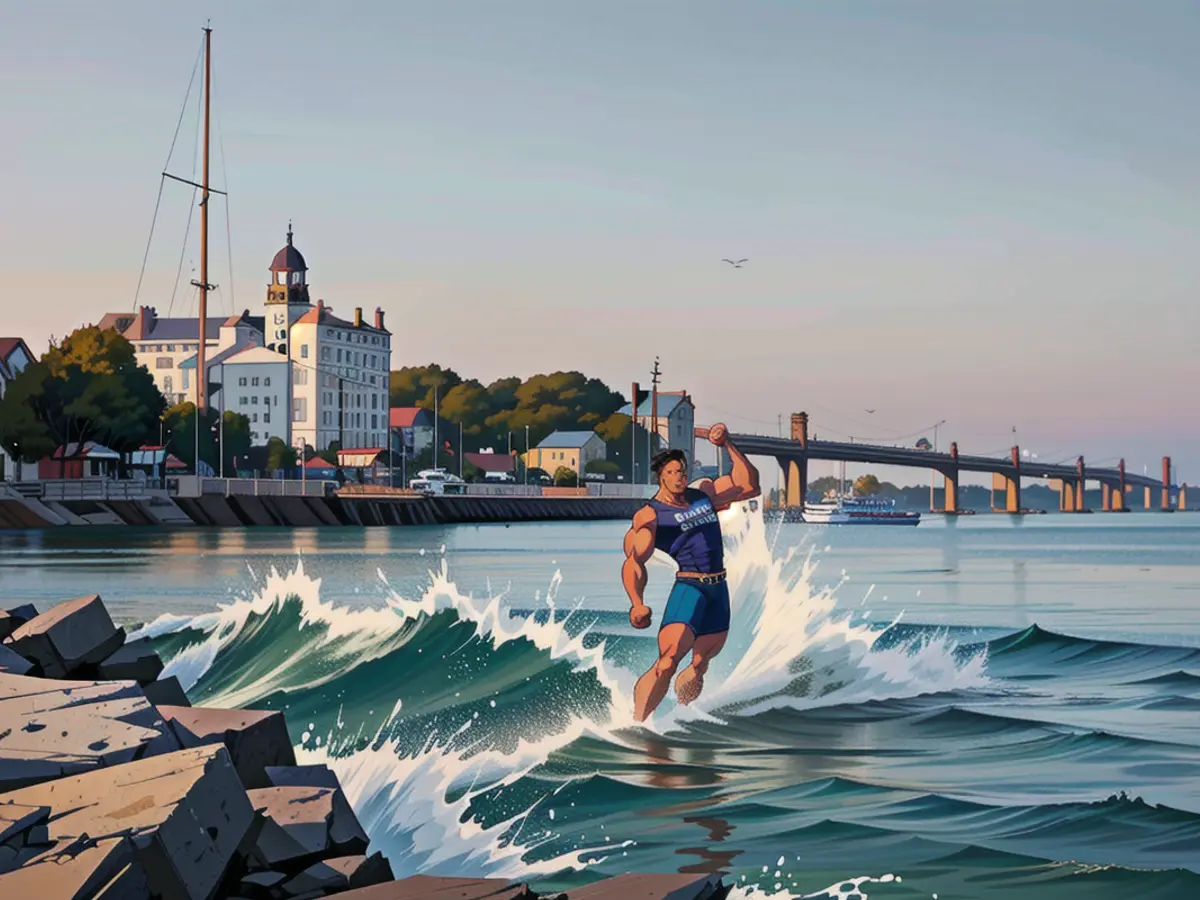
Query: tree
point(866, 485)
point(619, 445)
point(467, 403)
point(413, 385)
point(179, 423)
point(87, 387)
point(565, 477)
point(330, 453)
point(825, 484)
point(236, 441)
point(280, 455)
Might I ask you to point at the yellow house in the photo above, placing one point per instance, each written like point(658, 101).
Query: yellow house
point(573, 449)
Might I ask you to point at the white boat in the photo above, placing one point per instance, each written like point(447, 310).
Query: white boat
point(438, 481)
point(850, 510)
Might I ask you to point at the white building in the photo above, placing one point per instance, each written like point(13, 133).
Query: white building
point(340, 367)
point(14, 357)
point(338, 390)
point(168, 347)
point(253, 382)
point(676, 420)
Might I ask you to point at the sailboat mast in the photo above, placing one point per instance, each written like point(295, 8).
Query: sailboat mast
point(201, 374)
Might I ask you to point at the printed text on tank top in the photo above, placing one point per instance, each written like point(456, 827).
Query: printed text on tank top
point(690, 534)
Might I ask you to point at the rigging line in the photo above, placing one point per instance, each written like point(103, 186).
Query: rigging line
point(163, 178)
point(191, 206)
point(225, 179)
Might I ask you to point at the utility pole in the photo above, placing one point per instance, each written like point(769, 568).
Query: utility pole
point(654, 406)
point(633, 417)
point(202, 284)
point(435, 424)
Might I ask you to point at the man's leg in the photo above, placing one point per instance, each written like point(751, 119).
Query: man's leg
point(690, 682)
point(674, 641)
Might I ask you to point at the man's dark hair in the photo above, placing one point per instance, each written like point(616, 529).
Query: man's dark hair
point(661, 459)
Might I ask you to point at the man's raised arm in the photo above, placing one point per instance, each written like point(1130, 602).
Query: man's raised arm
point(639, 547)
point(742, 481)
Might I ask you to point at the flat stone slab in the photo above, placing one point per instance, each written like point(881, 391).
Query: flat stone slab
point(50, 729)
point(302, 776)
point(166, 692)
point(430, 887)
point(12, 663)
point(302, 823)
point(16, 819)
point(135, 661)
point(172, 823)
point(649, 887)
point(340, 874)
point(255, 738)
point(70, 635)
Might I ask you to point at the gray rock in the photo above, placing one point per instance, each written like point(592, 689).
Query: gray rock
point(12, 663)
point(302, 776)
point(340, 874)
point(304, 824)
point(70, 635)
point(167, 692)
point(8, 624)
point(420, 887)
point(17, 820)
point(50, 728)
point(171, 824)
point(136, 661)
point(255, 738)
point(26, 612)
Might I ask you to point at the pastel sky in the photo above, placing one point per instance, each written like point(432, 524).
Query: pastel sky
point(984, 212)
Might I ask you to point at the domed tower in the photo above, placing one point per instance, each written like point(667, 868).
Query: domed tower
point(287, 294)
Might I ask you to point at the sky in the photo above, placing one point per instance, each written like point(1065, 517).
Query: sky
point(982, 213)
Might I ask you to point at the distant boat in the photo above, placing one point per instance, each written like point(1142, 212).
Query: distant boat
point(850, 510)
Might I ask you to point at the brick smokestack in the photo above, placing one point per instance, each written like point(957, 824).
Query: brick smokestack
point(379, 318)
point(357, 316)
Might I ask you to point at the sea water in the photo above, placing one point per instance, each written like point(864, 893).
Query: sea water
point(977, 709)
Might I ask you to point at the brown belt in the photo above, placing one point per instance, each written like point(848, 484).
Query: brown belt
point(703, 577)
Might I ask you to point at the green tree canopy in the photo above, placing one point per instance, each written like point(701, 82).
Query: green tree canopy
point(280, 455)
point(565, 477)
point(87, 387)
point(413, 385)
point(866, 485)
point(179, 425)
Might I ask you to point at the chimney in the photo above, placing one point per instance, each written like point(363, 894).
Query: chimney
point(379, 318)
point(358, 317)
point(320, 305)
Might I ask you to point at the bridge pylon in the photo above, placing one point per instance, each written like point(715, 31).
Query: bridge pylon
point(1012, 486)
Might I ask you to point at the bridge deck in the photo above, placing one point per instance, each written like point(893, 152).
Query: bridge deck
point(783, 448)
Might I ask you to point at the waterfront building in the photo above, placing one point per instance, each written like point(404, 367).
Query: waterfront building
point(676, 420)
point(15, 355)
point(573, 449)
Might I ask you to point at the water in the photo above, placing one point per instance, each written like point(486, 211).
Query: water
point(963, 710)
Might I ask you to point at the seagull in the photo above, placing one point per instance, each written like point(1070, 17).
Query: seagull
point(869, 412)
point(736, 263)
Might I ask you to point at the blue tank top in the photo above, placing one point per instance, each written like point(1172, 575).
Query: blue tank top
point(692, 536)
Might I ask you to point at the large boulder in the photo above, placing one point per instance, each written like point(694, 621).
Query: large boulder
point(50, 729)
point(135, 661)
point(303, 825)
point(420, 887)
point(69, 636)
point(166, 692)
point(13, 663)
point(166, 827)
point(339, 874)
point(302, 776)
point(255, 738)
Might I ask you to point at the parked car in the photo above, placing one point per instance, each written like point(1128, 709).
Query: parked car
point(438, 481)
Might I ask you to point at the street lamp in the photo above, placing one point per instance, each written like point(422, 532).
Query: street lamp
point(526, 455)
point(932, 473)
point(303, 468)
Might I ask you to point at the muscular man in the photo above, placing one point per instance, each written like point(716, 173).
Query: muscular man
point(681, 520)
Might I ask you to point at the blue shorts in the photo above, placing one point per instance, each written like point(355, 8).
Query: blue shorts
point(704, 608)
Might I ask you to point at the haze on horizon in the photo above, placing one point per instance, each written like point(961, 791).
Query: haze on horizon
point(984, 213)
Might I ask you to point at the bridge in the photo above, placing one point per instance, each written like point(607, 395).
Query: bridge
point(794, 453)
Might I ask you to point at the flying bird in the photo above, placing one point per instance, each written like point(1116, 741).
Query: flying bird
point(736, 263)
point(869, 411)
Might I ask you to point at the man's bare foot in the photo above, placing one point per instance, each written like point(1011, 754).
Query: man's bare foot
point(688, 685)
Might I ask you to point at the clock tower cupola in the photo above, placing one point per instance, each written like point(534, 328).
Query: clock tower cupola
point(287, 294)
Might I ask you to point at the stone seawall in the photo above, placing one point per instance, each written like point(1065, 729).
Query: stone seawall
point(114, 787)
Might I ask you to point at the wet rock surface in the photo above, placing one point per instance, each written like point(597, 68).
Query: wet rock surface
point(113, 787)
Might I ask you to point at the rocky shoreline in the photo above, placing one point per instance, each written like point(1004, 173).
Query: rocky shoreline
point(113, 787)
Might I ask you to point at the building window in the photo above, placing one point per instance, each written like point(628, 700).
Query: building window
point(242, 401)
point(374, 421)
point(299, 409)
point(253, 382)
point(254, 417)
point(339, 356)
point(254, 400)
point(299, 375)
point(167, 386)
point(267, 381)
point(164, 362)
point(266, 418)
point(304, 351)
point(242, 381)
point(325, 353)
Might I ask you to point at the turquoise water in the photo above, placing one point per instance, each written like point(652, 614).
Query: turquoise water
point(968, 709)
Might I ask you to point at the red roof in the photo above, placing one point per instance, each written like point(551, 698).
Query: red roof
point(403, 416)
point(317, 463)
